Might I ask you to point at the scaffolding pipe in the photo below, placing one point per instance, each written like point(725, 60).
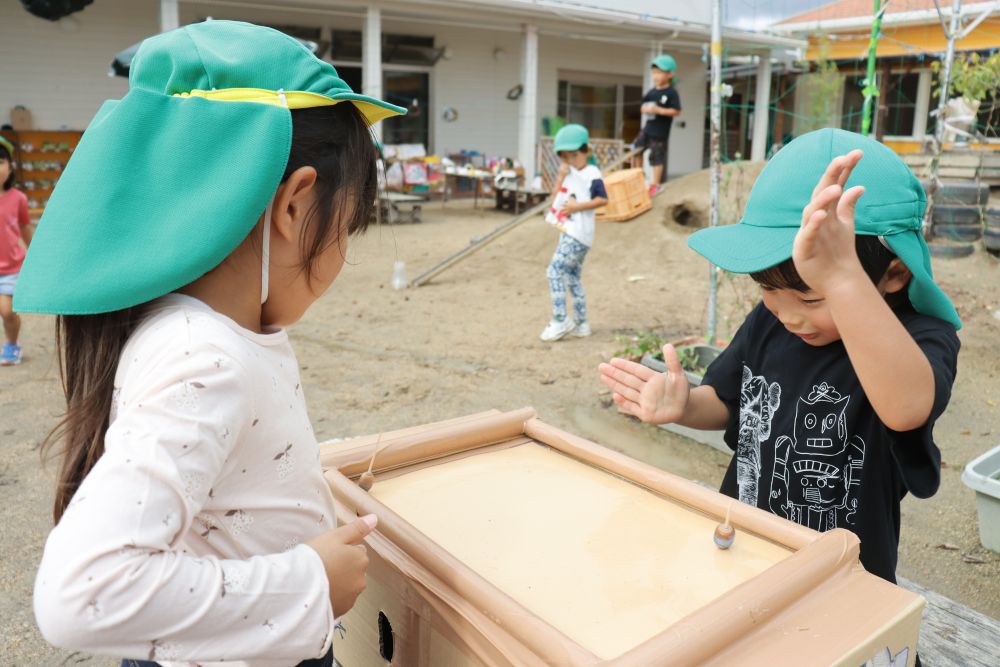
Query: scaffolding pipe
point(871, 90)
point(949, 59)
point(715, 121)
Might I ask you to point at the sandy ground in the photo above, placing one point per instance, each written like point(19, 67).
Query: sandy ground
point(375, 359)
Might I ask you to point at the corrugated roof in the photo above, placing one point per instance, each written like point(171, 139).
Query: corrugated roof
point(846, 9)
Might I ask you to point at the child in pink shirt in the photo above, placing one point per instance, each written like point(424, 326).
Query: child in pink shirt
point(15, 226)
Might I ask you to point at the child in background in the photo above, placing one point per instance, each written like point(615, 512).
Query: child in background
point(660, 105)
point(194, 523)
point(579, 190)
point(830, 389)
point(15, 228)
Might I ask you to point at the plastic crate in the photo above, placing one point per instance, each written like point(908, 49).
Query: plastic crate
point(982, 474)
point(628, 196)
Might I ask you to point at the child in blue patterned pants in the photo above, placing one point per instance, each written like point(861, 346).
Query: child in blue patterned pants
point(577, 193)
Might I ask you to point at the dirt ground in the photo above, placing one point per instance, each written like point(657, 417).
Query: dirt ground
point(376, 359)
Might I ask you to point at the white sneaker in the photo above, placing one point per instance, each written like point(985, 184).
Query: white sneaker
point(556, 330)
point(582, 330)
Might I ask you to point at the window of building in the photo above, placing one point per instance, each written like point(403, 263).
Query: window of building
point(396, 49)
point(609, 110)
point(900, 100)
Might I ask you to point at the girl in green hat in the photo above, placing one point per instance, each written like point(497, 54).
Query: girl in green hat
point(15, 229)
point(200, 214)
point(830, 389)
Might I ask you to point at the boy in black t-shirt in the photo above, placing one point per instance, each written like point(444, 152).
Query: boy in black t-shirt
point(660, 104)
point(830, 389)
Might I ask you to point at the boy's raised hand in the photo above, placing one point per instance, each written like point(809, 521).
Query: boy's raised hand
point(655, 398)
point(345, 560)
point(824, 249)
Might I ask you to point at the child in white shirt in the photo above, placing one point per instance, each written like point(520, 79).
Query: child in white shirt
point(577, 193)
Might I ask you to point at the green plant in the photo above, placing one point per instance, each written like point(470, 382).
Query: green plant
point(639, 344)
point(972, 76)
point(645, 342)
point(824, 86)
point(690, 361)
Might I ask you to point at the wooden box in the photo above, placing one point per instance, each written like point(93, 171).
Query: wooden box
point(505, 541)
point(628, 196)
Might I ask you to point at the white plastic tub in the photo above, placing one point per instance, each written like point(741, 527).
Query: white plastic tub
point(981, 475)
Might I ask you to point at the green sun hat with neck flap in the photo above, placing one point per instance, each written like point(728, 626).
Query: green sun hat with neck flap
point(166, 182)
point(891, 208)
point(665, 63)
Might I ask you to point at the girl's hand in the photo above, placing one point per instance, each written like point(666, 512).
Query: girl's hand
point(648, 107)
point(563, 171)
point(570, 207)
point(655, 398)
point(824, 251)
point(345, 560)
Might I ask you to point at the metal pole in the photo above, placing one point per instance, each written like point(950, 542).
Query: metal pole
point(715, 120)
point(871, 90)
point(949, 59)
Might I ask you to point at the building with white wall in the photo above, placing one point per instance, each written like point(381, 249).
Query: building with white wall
point(477, 74)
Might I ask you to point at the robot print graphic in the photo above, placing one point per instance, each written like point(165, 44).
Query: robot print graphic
point(818, 467)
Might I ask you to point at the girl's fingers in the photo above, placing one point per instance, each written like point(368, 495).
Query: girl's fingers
point(850, 162)
point(831, 175)
point(847, 204)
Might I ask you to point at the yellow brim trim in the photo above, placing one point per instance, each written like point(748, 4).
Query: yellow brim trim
point(292, 99)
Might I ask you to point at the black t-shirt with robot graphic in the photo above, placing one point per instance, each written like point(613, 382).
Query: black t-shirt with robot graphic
point(658, 127)
point(810, 447)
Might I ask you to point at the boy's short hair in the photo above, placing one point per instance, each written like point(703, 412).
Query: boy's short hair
point(873, 255)
point(890, 211)
point(5, 155)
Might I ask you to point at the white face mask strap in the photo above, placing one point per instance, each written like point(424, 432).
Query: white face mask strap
point(265, 253)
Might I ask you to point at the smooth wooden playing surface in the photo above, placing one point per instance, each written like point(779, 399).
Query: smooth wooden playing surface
point(606, 562)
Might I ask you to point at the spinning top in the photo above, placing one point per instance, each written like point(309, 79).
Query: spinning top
point(725, 534)
point(367, 480)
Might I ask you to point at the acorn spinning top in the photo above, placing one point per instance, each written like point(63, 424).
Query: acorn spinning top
point(367, 479)
point(725, 534)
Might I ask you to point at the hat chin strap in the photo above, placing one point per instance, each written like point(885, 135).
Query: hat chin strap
point(265, 255)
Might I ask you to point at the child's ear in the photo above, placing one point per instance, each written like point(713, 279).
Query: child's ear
point(293, 201)
point(895, 278)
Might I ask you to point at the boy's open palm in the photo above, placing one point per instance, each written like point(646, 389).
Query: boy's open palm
point(824, 245)
point(346, 561)
point(655, 398)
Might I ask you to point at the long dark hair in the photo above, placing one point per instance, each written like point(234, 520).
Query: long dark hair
point(5, 155)
point(336, 141)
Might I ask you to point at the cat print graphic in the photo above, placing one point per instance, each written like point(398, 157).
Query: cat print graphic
point(758, 403)
point(818, 467)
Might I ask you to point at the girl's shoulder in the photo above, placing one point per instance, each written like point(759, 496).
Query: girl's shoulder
point(181, 329)
point(16, 195)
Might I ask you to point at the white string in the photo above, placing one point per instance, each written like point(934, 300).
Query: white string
point(265, 255)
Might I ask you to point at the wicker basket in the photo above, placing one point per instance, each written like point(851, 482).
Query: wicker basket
point(627, 196)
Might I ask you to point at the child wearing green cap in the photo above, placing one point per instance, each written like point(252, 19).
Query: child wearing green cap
point(15, 228)
point(578, 192)
point(199, 215)
point(829, 391)
point(660, 105)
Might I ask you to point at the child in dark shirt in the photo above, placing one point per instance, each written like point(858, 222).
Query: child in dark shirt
point(830, 389)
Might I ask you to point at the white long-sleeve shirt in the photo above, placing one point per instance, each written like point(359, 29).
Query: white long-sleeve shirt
point(182, 545)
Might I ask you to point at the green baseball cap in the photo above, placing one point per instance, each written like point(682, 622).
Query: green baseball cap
point(9, 146)
point(167, 181)
point(892, 208)
point(665, 63)
point(570, 138)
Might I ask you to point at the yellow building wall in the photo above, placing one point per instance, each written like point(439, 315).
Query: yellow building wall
point(909, 40)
